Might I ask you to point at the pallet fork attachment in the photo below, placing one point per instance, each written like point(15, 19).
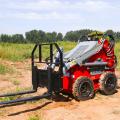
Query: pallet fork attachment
point(35, 78)
point(25, 99)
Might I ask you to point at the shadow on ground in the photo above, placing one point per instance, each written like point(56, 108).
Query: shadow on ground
point(30, 110)
point(56, 98)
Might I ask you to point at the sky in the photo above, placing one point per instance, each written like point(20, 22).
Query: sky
point(19, 16)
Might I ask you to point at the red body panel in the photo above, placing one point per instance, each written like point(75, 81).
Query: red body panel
point(106, 54)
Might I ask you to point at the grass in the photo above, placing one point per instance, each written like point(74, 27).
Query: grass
point(20, 52)
point(9, 98)
point(4, 69)
point(15, 82)
point(117, 52)
point(15, 52)
point(34, 117)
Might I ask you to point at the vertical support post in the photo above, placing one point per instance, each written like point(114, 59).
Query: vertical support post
point(34, 78)
point(61, 59)
point(32, 55)
point(40, 53)
point(50, 87)
point(61, 65)
point(51, 53)
point(34, 70)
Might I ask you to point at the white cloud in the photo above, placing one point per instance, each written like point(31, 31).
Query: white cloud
point(35, 5)
point(41, 16)
point(52, 9)
point(61, 13)
point(57, 5)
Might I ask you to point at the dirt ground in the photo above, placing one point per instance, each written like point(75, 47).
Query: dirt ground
point(61, 108)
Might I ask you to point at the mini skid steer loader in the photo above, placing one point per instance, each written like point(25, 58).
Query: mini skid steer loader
point(88, 67)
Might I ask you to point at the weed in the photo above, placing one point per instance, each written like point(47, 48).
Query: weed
point(9, 98)
point(4, 69)
point(34, 117)
point(18, 89)
point(16, 82)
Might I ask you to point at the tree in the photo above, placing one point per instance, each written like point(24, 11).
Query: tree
point(71, 36)
point(5, 38)
point(110, 32)
point(59, 37)
point(76, 35)
point(32, 36)
point(42, 36)
point(18, 38)
point(117, 35)
point(36, 36)
point(54, 36)
point(39, 36)
point(51, 37)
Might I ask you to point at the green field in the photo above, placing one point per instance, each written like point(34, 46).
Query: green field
point(20, 52)
point(117, 52)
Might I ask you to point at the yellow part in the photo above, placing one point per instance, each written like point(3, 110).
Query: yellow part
point(99, 35)
point(95, 34)
point(72, 63)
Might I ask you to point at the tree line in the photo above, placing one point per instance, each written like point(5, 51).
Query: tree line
point(39, 36)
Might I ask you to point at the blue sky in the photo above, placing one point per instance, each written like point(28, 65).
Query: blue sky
point(19, 16)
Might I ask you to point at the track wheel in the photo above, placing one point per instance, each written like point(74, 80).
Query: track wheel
point(108, 83)
point(83, 89)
